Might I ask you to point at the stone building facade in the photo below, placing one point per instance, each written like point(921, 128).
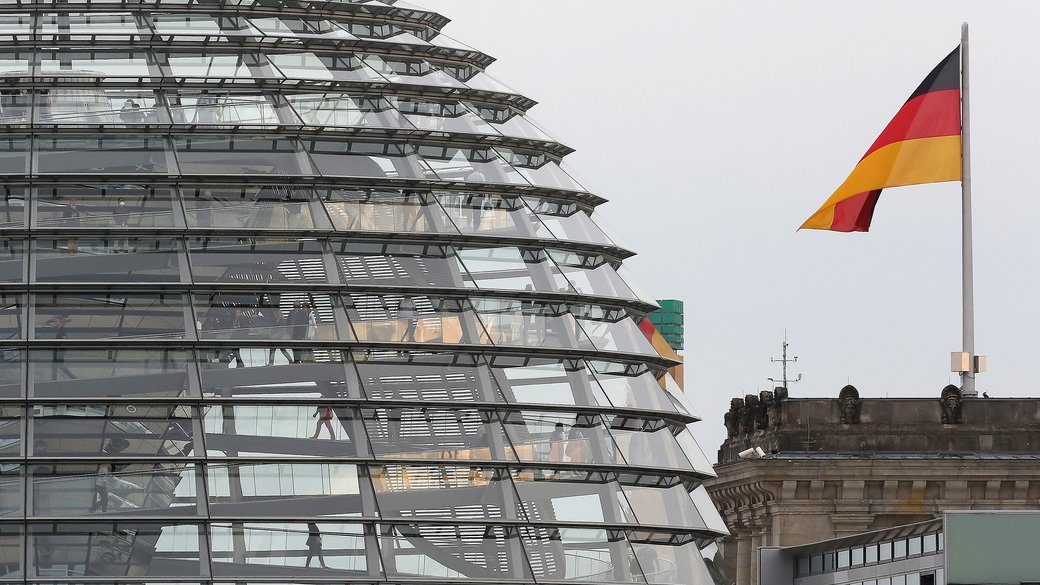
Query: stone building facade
point(836, 467)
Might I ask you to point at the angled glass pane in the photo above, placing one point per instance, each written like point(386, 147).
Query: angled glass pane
point(210, 155)
point(413, 319)
point(284, 430)
point(378, 160)
point(647, 443)
point(207, 107)
point(385, 211)
point(111, 373)
point(112, 431)
point(447, 491)
point(471, 165)
point(292, 550)
point(100, 64)
point(411, 265)
point(14, 152)
point(63, 316)
point(510, 268)
point(90, 26)
point(448, 116)
point(90, 206)
point(271, 207)
point(249, 315)
point(89, 489)
point(567, 221)
point(69, 106)
point(459, 553)
point(276, 372)
point(488, 213)
point(710, 514)
point(342, 110)
point(613, 330)
point(436, 433)
point(299, 28)
point(11, 376)
point(545, 381)
point(214, 65)
point(12, 260)
point(476, 79)
point(538, 169)
point(508, 122)
point(106, 259)
point(256, 260)
point(114, 549)
point(559, 495)
point(631, 389)
point(579, 554)
point(11, 431)
point(12, 537)
point(100, 155)
point(591, 275)
point(411, 71)
point(530, 324)
point(336, 67)
point(664, 564)
point(698, 460)
point(15, 25)
point(12, 206)
point(560, 437)
point(194, 24)
point(663, 505)
point(433, 377)
point(11, 315)
point(12, 493)
point(291, 490)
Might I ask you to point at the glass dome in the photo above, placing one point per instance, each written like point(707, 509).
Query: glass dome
point(294, 291)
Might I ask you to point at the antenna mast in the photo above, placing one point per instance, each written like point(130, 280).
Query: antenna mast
point(783, 361)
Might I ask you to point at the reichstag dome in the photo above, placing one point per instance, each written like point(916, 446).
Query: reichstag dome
point(294, 292)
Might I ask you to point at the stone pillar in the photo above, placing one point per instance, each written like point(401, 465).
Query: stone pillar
point(743, 575)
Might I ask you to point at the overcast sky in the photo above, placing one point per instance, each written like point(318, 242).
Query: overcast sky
point(716, 128)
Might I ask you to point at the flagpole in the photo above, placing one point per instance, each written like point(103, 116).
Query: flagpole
point(967, 273)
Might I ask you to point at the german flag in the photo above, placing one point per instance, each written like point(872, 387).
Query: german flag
point(922, 144)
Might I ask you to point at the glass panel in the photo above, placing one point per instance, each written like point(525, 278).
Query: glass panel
point(487, 213)
point(109, 259)
point(15, 25)
point(11, 317)
point(385, 211)
point(638, 389)
point(430, 377)
point(443, 491)
point(240, 155)
point(253, 260)
point(96, 64)
point(13, 155)
point(559, 437)
point(706, 507)
point(90, 26)
point(291, 550)
point(413, 319)
point(215, 66)
point(324, 376)
point(93, 106)
point(411, 71)
point(11, 375)
point(294, 490)
point(109, 315)
point(568, 222)
point(539, 170)
point(299, 28)
point(101, 154)
point(11, 553)
point(664, 506)
point(694, 453)
point(578, 554)
point(931, 543)
point(430, 433)
point(592, 275)
point(10, 431)
point(88, 206)
point(252, 207)
point(115, 549)
point(616, 331)
point(111, 373)
point(98, 430)
point(255, 316)
point(406, 265)
point(85, 489)
point(228, 108)
point(367, 159)
point(530, 324)
point(647, 443)
point(914, 546)
point(487, 553)
point(441, 116)
point(12, 253)
point(12, 494)
point(671, 565)
point(871, 554)
point(12, 206)
point(509, 122)
point(551, 495)
point(885, 551)
point(472, 165)
point(545, 381)
point(195, 24)
point(345, 111)
point(262, 430)
point(511, 268)
point(340, 67)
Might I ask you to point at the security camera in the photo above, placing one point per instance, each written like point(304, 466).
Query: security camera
point(752, 453)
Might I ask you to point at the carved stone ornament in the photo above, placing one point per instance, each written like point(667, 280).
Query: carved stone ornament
point(765, 402)
point(849, 405)
point(732, 418)
point(950, 405)
point(747, 416)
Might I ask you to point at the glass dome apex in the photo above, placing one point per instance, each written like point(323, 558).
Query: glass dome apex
point(296, 292)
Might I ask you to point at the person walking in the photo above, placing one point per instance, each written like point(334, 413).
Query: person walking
point(325, 414)
point(314, 545)
point(297, 321)
point(102, 484)
point(278, 331)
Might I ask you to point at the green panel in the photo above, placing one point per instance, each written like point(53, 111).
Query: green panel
point(992, 547)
